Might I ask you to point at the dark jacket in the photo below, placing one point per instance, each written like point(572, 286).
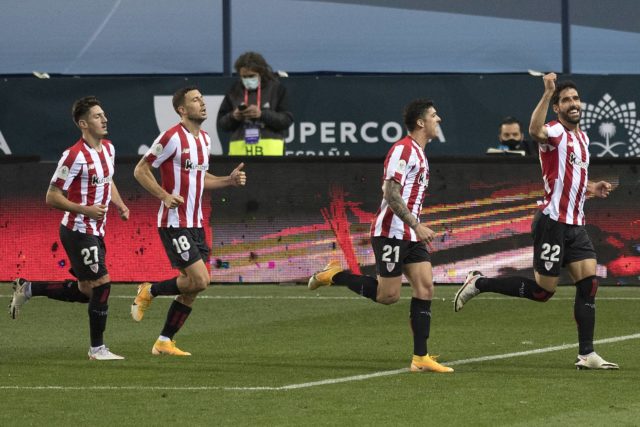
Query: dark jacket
point(276, 117)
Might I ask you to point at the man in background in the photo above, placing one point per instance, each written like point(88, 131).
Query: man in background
point(511, 138)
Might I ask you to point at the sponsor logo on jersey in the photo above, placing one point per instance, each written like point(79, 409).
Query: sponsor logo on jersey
point(95, 180)
point(577, 162)
point(92, 167)
point(189, 165)
point(185, 151)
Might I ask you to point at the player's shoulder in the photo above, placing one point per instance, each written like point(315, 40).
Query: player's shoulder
point(555, 130)
point(108, 144)
point(172, 132)
point(556, 125)
point(75, 151)
point(403, 142)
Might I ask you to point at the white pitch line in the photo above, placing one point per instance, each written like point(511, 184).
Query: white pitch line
point(330, 381)
point(354, 298)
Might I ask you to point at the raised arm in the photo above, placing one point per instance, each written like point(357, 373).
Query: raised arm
point(537, 130)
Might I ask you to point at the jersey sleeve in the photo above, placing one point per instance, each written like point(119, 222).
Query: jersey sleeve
point(67, 170)
point(162, 148)
point(554, 133)
point(397, 167)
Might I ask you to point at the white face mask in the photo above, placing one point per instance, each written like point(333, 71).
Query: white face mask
point(251, 83)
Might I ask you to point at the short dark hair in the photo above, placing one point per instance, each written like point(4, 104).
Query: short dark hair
point(178, 96)
point(415, 110)
point(256, 62)
point(509, 120)
point(82, 107)
point(560, 86)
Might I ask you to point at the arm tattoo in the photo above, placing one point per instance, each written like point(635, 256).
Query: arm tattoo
point(396, 203)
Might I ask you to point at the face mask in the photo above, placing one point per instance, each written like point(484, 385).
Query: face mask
point(251, 83)
point(511, 143)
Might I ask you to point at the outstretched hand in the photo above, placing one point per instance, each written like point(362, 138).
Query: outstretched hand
point(601, 189)
point(238, 177)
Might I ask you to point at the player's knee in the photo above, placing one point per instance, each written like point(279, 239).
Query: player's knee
point(587, 288)
point(199, 283)
point(543, 295)
point(388, 298)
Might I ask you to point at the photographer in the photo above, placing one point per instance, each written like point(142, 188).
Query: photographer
point(255, 110)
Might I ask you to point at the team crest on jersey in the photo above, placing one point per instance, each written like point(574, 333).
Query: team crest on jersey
point(391, 266)
point(157, 149)
point(63, 172)
point(94, 267)
point(617, 125)
point(185, 256)
point(548, 265)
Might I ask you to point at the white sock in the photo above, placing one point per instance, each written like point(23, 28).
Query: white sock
point(163, 338)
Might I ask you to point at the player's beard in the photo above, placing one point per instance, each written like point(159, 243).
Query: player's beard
point(197, 119)
point(566, 117)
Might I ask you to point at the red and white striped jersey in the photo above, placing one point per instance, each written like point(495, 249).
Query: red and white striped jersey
point(86, 175)
point(407, 165)
point(183, 161)
point(564, 159)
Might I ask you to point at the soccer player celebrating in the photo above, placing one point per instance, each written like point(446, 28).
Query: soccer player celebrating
point(82, 187)
point(182, 154)
point(559, 235)
point(398, 237)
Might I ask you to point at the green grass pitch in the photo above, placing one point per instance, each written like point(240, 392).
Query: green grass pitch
point(282, 355)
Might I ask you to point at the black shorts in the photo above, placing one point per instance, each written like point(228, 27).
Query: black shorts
point(184, 246)
point(556, 244)
point(86, 253)
point(392, 254)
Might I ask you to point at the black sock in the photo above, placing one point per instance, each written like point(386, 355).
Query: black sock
point(98, 310)
point(176, 317)
point(420, 316)
point(515, 287)
point(166, 287)
point(362, 285)
point(584, 310)
point(62, 291)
